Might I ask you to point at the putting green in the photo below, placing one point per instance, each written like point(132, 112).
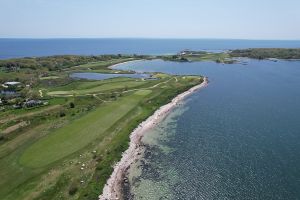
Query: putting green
point(80, 133)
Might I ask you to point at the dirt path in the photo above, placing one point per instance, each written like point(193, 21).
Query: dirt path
point(41, 93)
point(14, 127)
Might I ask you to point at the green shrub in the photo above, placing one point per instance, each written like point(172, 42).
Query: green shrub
point(73, 189)
point(72, 105)
point(62, 114)
point(2, 137)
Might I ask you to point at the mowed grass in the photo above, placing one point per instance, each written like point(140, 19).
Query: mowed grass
point(80, 133)
point(94, 87)
point(99, 89)
point(49, 77)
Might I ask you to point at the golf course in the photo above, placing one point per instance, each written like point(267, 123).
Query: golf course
point(60, 137)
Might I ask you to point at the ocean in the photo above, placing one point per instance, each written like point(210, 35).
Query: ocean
point(12, 48)
point(238, 138)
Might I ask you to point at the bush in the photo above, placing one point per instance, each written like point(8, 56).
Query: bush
point(72, 105)
point(62, 114)
point(1, 137)
point(73, 189)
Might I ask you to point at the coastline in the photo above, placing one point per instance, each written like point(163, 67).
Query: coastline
point(121, 63)
point(113, 188)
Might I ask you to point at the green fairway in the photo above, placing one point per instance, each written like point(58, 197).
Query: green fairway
point(101, 88)
point(80, 133)
point(143, 92)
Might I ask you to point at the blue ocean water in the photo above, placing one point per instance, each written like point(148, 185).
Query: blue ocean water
point(11, 48)
point(239, 138)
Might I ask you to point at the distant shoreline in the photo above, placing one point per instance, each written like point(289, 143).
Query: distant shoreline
point(122, 63)
point(113, 187)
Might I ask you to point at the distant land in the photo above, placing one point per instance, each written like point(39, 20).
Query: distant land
point(12, 48)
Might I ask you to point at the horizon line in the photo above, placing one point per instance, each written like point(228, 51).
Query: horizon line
point(146, 38)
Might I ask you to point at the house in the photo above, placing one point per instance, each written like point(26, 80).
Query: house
point(11, 84)
point(32, 103)
point(17, 106)
point(184, 52)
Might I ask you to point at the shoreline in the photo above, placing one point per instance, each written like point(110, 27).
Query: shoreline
point(121, 63)
point(113, 187)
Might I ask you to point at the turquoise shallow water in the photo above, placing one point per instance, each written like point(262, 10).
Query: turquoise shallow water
point(239, 138)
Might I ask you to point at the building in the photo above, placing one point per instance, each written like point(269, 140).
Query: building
point(33, 103)
point(11, 84)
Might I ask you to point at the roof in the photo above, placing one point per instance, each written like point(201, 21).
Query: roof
point(12, 83)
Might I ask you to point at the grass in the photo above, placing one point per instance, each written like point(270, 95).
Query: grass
point(198, 57)
point(100, 88)
point(101, 66)
point(208, 57)
point(49, 77)
point(81, 132)
point(96, 87)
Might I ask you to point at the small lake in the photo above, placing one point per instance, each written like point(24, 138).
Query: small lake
point(100, 76)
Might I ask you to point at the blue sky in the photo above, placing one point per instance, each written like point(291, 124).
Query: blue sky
point(238, 19)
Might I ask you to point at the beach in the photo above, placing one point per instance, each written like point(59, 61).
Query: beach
point(122, 63)
point(113, 188)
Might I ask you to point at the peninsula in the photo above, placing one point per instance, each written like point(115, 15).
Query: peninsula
point(61, 136)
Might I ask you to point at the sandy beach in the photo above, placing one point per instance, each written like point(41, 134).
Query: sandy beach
point(112, 189)
point(122, 63)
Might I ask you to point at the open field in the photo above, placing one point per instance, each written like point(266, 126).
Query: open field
point(65, 149)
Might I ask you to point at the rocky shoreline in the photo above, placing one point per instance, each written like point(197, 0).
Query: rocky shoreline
point(113, 188)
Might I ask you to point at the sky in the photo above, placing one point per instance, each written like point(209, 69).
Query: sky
point(234, 19)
